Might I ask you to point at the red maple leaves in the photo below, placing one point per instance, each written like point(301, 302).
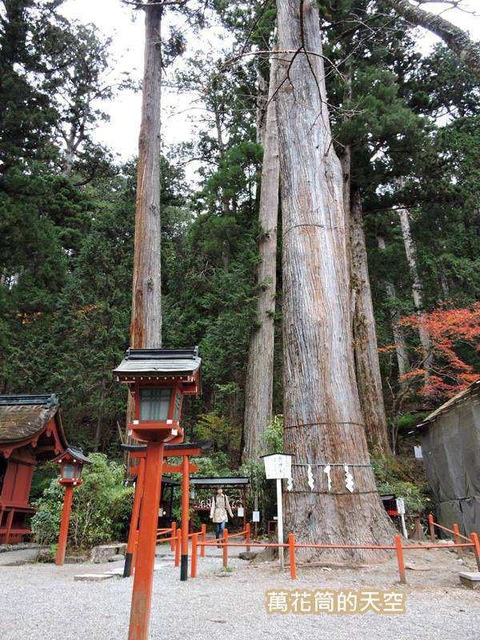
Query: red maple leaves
point(455, 343)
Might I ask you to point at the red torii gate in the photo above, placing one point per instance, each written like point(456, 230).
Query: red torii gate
point(138, 452)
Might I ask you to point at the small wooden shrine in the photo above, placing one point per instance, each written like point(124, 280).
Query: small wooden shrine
point(31, 431)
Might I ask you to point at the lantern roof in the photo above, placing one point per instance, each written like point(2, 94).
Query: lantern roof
point(158, 362)
point(75, 454)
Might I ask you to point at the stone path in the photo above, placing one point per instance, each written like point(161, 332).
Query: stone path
point(42, 601)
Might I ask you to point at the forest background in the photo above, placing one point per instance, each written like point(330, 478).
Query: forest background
point(67, 210)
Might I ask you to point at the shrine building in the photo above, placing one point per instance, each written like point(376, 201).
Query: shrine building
point(31, 431)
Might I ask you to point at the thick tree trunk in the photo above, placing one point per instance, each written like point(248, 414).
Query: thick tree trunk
point(259, 382)
point(401, 350)
point(323, 420)
point(455, 38)
point(365, 337)
point(146, 326)
point(417, 291)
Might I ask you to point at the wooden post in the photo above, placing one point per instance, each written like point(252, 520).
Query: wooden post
point(247, 535)
point(456, 538)
point(280, 522)
point(225, 548)
point(173, 536)
point(62, 538)
point(132, 533)
point(147, 540)
point(291, 552)
point(203, 536)
point(476, 548)
point(244, 505)
point(178, 546)
point(193, 568)
point(401, 565)
point(431, 527)
point(9, 524)
point(185, 518)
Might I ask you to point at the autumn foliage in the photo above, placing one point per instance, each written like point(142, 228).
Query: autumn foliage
point(455, 340)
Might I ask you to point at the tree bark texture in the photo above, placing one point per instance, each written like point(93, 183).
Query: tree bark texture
point(323, 420)
point(365, 338)
point(401, 349)
point(417, 290)
point(146, 325)
point(457, 40)
point(259, 381)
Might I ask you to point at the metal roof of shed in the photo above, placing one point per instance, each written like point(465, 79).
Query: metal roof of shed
point(472, 390)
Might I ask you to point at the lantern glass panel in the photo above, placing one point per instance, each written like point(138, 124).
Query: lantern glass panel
point(178, 404)
point(154, 404)
point(68, 471)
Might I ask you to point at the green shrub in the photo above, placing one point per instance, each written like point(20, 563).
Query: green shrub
point(100, 511)
point(398, 476)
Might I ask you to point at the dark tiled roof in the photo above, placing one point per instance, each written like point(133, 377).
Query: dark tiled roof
point(167, 362)
point(225, 481)
point(23, 416)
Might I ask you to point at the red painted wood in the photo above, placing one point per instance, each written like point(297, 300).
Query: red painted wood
point(185, 504)
point(62, 538)
point(143, 580)
point(137, 501)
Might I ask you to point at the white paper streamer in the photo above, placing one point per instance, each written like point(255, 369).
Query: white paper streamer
point(311, 479)
point(349, 481)
point(326, 471)
point(289, 484)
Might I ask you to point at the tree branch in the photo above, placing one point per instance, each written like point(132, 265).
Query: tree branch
point(456, 39)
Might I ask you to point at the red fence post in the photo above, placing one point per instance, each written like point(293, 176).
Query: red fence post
point(178, 546)
point(401, 566)
point(476, 548)
point(203, 537)
point(247, 535)
point(173, 537)
point(291, 553)
point(431, 527)
point(225, 548)
point(193, 568)
point(456, 537)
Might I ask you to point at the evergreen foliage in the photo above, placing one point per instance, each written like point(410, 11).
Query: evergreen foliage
point(67, 211)
point(100, 511)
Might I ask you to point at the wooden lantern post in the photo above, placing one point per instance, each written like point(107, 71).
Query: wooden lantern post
point(158, 379)
point(71, 461)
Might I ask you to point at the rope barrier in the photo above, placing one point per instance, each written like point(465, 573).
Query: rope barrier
point(323, 424)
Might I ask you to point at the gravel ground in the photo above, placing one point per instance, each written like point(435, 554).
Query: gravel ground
point(43, 602)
